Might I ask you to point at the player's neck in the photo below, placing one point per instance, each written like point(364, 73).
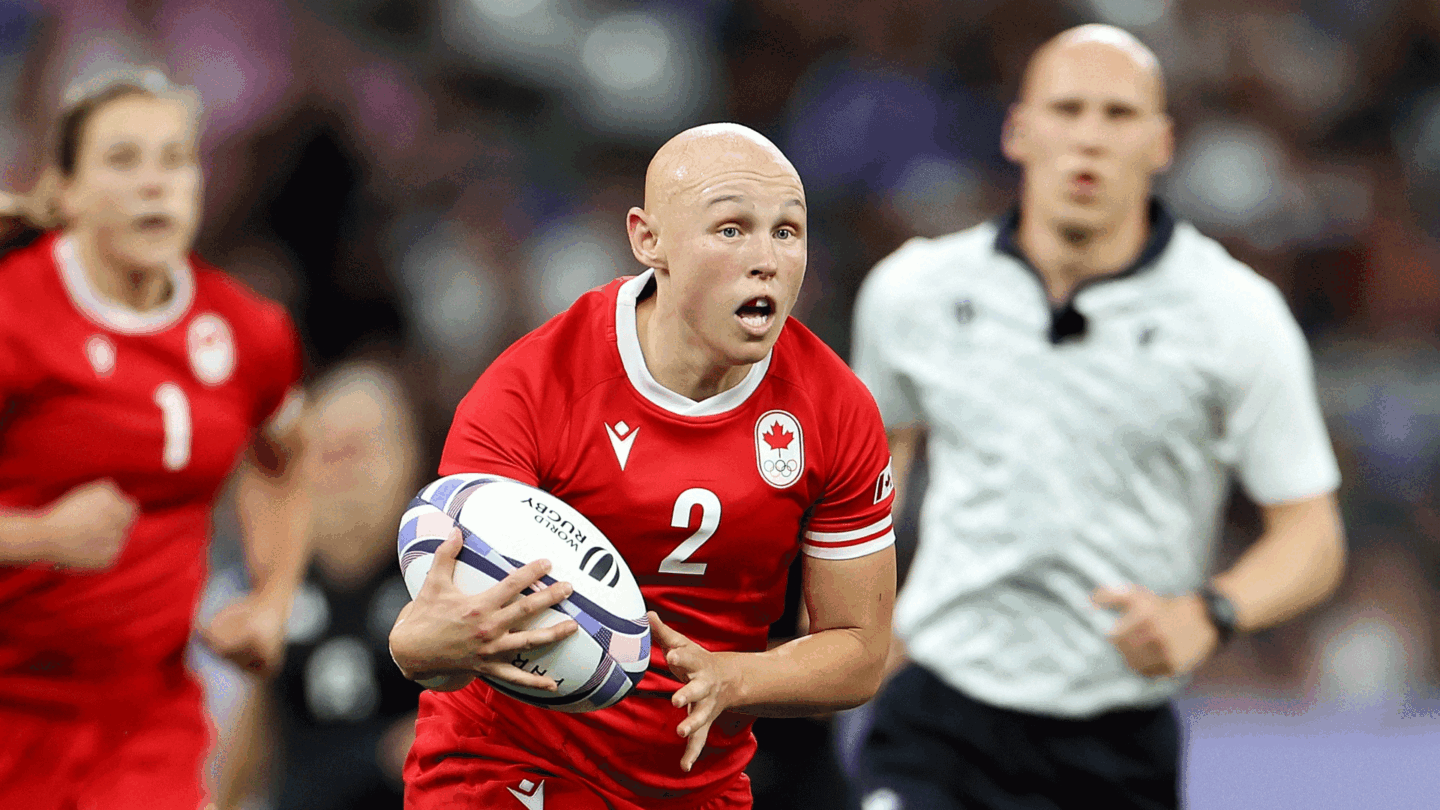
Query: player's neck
point(1067, 256)
point(138, 287)
point(677, 359)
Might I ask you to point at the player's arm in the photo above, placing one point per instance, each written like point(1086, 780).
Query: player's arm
point(837, 666)
point(273, 501)
point(445, 638)
point(85, 528)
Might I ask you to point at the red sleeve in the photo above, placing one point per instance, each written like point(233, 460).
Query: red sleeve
point(852, 519)
point(495, 426)
point(16, 364)
point(281, 366)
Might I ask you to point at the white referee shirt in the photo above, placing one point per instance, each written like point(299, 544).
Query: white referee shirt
point(1061, 464)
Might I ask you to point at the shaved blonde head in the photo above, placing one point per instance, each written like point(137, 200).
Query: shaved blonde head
point(688, 162)
point(724, 228)
point(1085, 42)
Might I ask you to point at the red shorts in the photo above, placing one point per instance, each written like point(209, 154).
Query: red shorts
point(138, 757)
point(461, 782)
point(453, 766)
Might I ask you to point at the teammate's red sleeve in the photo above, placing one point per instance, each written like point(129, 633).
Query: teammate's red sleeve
point(495, 430)
point(281, 367)
point(852, 519)
point(16, 364)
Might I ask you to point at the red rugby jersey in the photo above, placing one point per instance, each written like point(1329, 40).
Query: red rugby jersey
point(708, 502)
point(164, 403)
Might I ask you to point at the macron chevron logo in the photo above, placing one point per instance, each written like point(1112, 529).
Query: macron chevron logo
point(622, 437)
point(530, 794)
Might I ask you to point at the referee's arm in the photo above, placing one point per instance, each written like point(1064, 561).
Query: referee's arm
point(1296, 564)
point(904, 441)
point(1284, 458)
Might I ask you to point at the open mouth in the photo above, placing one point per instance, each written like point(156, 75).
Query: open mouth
point(757, 314)
point(1085, 184)
point(154, 223)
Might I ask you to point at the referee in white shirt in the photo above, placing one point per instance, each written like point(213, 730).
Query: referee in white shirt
point(1088, 374)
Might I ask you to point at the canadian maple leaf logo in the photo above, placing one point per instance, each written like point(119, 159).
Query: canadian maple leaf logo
point(778, 438)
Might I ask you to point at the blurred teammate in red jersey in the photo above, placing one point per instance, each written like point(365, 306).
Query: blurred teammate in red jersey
point(133, 376)
point(712, 442)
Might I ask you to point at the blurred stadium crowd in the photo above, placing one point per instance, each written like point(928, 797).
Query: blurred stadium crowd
point(423, 181)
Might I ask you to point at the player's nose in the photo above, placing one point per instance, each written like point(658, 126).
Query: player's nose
point(1089, 134)
point(763, 259)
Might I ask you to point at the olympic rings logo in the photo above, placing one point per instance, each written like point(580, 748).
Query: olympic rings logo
point(783, 466)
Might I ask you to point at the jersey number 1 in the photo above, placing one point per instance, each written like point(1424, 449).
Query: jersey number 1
point(709, 504)
point(175, 417)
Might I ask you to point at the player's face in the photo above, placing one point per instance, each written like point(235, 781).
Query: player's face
point(136, 185)
point(736, 255)
point(1089, 135)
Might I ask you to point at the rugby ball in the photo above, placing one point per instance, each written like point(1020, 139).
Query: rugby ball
point(506, 524)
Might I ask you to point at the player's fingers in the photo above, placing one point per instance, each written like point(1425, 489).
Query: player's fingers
point(530, 639)
point(533, 603)
point(518, 677)
point(515, 583)
point(664, 635)
point(690, 694)
point(442, 570)
point(693, 746)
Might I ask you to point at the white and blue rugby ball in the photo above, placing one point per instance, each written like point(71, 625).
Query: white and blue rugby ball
point(506, 524)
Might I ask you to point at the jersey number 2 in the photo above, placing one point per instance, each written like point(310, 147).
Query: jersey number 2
point(175, 417)
point(709, 504)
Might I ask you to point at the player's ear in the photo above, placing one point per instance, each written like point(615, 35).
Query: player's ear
point(645, 238)
point(1012, 134)
point(61, 193)
point(1164, 145)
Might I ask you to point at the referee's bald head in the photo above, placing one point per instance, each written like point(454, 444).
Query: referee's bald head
point(1089, 44)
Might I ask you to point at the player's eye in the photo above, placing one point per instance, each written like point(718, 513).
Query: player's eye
point(174, 158)
point(729, 231)
point(1069, 107)
point(1120, 111)
point(122, 157)
point(785, 233)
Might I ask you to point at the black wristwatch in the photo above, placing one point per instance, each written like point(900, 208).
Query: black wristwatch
point(1221, 612)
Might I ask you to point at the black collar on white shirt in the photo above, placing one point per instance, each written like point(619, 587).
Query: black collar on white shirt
point(1067, 322)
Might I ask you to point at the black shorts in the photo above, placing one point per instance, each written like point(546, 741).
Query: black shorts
point(932, 748)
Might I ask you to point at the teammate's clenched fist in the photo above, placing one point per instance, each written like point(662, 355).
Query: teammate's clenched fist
point(86, 527)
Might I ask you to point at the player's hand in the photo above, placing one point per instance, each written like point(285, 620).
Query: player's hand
point(87, 526)
point(445, 631)
point(249, 633)
point(711, 685)
point(1159, 636)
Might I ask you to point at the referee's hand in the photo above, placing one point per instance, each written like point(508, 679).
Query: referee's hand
point(1159, 636)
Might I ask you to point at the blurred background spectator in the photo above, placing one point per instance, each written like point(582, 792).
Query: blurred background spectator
point(423, 181)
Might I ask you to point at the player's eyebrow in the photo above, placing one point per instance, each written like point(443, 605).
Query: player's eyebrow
point(740, 198)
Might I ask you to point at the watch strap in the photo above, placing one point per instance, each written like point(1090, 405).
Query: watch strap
point(1221, 612)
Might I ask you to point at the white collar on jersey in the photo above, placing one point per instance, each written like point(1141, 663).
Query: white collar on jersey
point(117, 317)
point(634, 361)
